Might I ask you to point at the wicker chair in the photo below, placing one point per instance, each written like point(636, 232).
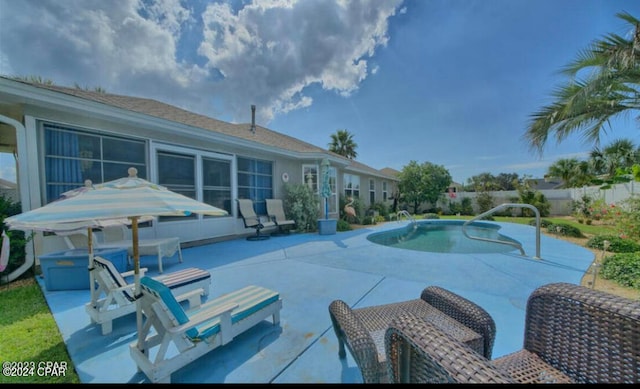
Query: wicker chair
point(572, 334)
point(362, 330)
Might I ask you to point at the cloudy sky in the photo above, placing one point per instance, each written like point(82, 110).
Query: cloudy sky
point(452, 82)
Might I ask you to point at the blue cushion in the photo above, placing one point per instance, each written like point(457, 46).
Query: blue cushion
point(170, 301)
point(250, 300)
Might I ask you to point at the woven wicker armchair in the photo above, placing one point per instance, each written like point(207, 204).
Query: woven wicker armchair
point(572, 334)
point(362, 330)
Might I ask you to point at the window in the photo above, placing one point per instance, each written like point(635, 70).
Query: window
point(200, 175)
point(177, 172)
point(384, 191)
point(310, 176)
point(255, 182)
point(351, 185)
point(216, 181)
point(372, 192)
point(72, 156)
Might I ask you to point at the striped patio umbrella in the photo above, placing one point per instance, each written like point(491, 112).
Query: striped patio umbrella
point(325, 189)
point(130, 198)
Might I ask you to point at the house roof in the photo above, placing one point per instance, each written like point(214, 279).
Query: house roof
point(545, 183)
point(390, 172)
point(5, 184)
point(157, 109)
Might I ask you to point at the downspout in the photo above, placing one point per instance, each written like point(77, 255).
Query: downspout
point(24, 190)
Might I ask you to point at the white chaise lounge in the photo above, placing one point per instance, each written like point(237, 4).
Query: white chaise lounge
point(196, 332)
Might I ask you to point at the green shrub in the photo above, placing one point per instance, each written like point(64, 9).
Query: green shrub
point(343, 225)
point(431, 216)
point(627, 217)
point(623, 268)
point(485, 201)
point(380, 219)
point(544, 223)
point(382, 208)
point(616, 244)
point(17, 239)
point(455, 208)
point(466, 206)
point(302, 206)
point(565, 230)
point(367, 220)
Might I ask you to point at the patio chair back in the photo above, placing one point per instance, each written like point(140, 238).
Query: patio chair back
point(275, 211)
point(111, 278)
point(252, 220)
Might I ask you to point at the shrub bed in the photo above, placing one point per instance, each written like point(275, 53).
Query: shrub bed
point(623, 268)
point(616, 244)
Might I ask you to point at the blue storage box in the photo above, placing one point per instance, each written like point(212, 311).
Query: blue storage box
point(69, 269)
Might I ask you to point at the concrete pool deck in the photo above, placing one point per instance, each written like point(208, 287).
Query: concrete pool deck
point(309, 271)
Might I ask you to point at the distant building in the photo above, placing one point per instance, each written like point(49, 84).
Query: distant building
point(545, 183)
point(9, 190)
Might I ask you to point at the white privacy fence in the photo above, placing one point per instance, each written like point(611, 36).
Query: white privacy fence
point(561, 200)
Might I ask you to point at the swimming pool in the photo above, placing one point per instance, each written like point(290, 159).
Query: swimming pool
point(445, 236)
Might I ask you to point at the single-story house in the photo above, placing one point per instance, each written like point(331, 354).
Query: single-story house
point(63, 136)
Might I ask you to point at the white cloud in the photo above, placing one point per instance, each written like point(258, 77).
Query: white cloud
point(264, 53)
point(270, 52)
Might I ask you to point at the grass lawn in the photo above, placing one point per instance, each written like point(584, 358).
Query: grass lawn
point(30, 342)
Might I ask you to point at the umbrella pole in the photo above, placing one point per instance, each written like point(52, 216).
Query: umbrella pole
point(92, 285)
point(136, 275)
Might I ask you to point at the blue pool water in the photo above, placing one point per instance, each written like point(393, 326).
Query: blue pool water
point(445, 236)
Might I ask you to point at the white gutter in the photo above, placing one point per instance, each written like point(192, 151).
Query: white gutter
point(24, 191)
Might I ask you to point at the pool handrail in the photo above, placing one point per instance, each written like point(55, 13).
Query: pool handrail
point(518, 245)
point(406, 214)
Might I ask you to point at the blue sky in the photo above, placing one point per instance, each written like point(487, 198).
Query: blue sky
point(451, 82)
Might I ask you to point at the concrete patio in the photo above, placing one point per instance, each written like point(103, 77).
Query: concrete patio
point(309, 271)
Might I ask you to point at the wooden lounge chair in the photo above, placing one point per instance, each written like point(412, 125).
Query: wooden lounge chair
point(362, 329)
point(194, 333)
point(573, 334)
point(113, 297)
point(252, 220)
point(275, 211)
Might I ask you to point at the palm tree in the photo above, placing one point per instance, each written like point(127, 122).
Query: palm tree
point(586, 105)
point(342, 143)
point(621, 153)
point(565, 169)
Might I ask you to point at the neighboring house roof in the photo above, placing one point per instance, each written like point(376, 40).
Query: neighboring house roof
point(390, 172)
point(543, 184)
point(5, 184)
point(158, 109)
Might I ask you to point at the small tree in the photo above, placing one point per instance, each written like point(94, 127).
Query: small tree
point(485, 201)
point(532, 197)
point(420, 183)
point(302, 205)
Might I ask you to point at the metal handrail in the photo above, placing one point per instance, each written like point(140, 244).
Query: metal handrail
point(406, 214)
point(515, 244)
